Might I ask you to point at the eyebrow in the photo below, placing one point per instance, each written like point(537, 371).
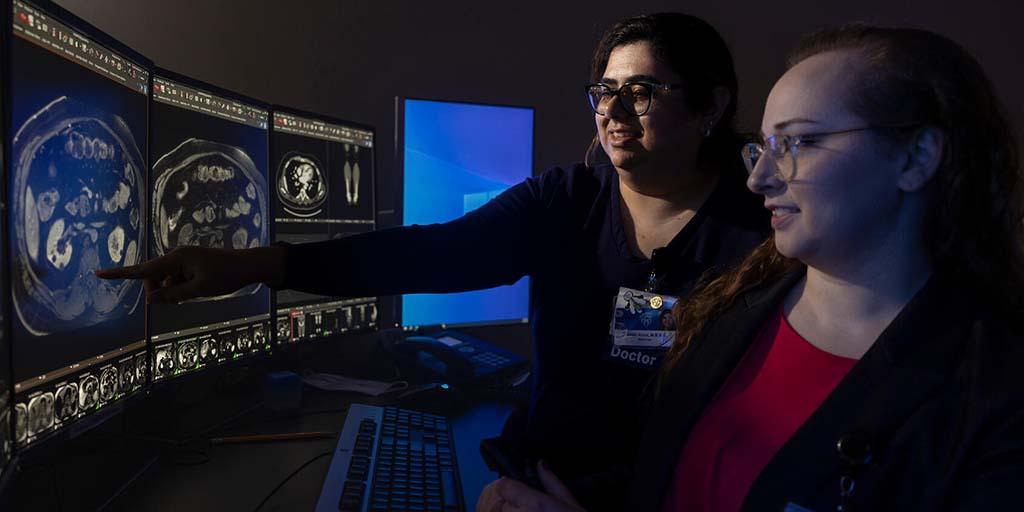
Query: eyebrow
point(796, 120)
point(633, 78)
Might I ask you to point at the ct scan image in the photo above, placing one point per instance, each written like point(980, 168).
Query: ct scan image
point(244, 341)
point(188, 355)
point(66, 401)
point(21, 423)
point(209, 194)
point(109, 381)
point(141, 366)
point(127, 371)
point(88, 392)
point(208, 350)
point(164, 361)
point(302, 185)
point(284, 329)
point(259, 337)
point(227, 345)
point(77, 198)
point(40, 414)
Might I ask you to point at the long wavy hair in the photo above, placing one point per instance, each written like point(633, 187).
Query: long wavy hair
point(699, 55)
point(974, 223)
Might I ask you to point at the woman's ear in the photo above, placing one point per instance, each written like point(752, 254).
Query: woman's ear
point(720, 98)
point(924, 154)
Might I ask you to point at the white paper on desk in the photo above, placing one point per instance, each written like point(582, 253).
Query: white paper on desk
point(329, 382)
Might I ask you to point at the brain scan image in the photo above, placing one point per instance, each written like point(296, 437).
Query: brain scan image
point(188, 355)
point(66, 401)
point(301, 185)
point(141, 365)
point(373, 312)
point(88, 392)
point(127, 371)
point(110, 380)
point(208, 350)
point(21, 422)
point(300, 326)
point(77, 197)
point(164, 361)
point(209, 194)
point(40, 414)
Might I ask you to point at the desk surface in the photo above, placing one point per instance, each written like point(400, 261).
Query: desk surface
point(236, 477)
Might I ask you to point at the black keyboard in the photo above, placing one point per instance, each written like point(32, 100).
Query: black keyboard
point(390, 459)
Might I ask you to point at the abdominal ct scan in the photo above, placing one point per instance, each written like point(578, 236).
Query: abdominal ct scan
point(301, 185)
point(88, 392)
point(66, 401)
point(209, 194)
point(77, 199)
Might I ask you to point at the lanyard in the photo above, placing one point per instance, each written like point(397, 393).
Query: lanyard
point(658, 269)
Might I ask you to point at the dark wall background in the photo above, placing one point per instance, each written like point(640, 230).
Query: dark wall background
point(349, 58)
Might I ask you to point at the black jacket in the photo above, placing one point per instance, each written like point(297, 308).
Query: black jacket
point(939, 398)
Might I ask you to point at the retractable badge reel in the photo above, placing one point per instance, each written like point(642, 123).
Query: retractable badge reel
point(856, 452)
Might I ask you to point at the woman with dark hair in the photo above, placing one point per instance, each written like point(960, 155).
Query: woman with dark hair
point(868, 356)
point(670, 206)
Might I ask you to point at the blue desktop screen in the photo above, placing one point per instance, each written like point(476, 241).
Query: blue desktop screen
point(457, 157)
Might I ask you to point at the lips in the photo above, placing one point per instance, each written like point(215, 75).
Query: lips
point(782, 215)
point(619, 137)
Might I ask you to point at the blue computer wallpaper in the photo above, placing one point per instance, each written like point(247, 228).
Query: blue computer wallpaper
point(456, 158)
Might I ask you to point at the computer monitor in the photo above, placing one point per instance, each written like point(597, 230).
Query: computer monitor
point(6, 405)
point(323, 189)
point(78, 116)
point(209, 188)
point(455, 157)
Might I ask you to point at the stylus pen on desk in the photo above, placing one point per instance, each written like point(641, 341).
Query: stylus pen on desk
point(265, 438)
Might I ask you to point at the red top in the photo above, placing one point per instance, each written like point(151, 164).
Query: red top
point(780, 381)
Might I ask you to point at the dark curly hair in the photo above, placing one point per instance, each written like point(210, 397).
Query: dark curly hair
point(974, 224)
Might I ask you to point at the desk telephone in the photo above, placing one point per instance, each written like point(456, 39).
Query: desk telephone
point(456, 358)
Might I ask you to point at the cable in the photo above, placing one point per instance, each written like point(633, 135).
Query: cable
point(289, 477)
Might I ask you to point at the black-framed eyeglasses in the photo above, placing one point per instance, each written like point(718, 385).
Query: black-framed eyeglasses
point(635, 97)
point(778, 146)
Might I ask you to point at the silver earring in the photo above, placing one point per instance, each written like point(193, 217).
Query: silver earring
point(707, 130)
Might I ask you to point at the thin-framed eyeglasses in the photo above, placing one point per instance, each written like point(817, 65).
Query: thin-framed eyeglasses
point(635, 97)
point(778, 146)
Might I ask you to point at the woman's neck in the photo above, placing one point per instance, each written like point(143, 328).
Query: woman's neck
point(664, 194)
point(843, 309)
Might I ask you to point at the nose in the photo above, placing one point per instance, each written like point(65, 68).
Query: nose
point(764, 178)
point(615, 110)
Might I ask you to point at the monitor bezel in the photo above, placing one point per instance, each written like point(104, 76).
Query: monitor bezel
point(399, 212)
point(373, 202)
point(5, 331)
point(48, 445)
point(248, 101)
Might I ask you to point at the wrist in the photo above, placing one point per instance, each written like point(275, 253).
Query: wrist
point(266, 264)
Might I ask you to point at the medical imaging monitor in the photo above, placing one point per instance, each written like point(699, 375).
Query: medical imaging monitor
point(6, 405)
point(455, 157)
point(209, 186)
point(323, 188)
point(76, 199)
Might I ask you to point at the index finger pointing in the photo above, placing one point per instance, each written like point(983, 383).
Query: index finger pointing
point(129, 272)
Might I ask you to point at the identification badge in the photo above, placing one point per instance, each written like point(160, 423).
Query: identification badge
point(643, 319)
point(642, 327)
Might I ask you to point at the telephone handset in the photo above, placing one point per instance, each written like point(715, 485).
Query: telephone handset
point(456, 358)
